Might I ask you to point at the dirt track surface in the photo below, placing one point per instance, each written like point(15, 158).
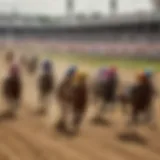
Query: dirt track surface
point(30, 137)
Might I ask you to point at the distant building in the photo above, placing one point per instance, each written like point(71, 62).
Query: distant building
point(70, 7)
point(96, 15)
point(81, 17)
point(113, 6)
point(156, 5)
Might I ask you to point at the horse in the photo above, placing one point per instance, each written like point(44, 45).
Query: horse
point(105, 90)
point(46, 85)
point(79, 101)
point(9, 56)
point(12, 89)
point(64, 95)
point(140, 97)
point(32, 64)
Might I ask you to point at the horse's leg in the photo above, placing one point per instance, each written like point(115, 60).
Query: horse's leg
point(149, 117)
point(125, 107)
point(135, 115)
point(63, 117)
point(48, 101)
point(103, 108)
point(78, 117)
point(42, 101)
point(13, 107)
point(121, 99)
point(111, 106)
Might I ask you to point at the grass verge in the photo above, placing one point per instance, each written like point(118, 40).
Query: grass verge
point(97, 61)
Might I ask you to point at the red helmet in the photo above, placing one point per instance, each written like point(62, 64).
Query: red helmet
point(113, 69)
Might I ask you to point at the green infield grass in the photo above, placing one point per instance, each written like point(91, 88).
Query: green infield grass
point(97, 61)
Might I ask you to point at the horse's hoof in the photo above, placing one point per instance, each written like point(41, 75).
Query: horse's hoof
point(41, 111)
point(60, 127)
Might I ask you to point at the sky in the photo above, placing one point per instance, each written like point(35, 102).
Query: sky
point(57, 7)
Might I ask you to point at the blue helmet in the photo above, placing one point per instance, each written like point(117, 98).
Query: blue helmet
point(71, 70)
point(47, 65)
point(148, 73)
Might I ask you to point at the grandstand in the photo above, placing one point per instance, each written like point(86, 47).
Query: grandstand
point(134, 34)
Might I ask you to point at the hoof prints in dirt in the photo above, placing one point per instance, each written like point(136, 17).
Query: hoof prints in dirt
point(7, 116)
point(63, 130)
point(132, 137)
point(101, 122)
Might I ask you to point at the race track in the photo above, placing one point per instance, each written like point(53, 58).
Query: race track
point(31, 137)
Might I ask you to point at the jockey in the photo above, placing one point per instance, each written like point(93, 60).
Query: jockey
point(47, 66)
point(80, 78)
point(141, 77)
point(79, 98)
point(66, 83)
point(14, 70)
point(102, 70)
point(71, 71)
point(148, 73)
point(111, 74)
point(113, 70)
point(101, 75)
